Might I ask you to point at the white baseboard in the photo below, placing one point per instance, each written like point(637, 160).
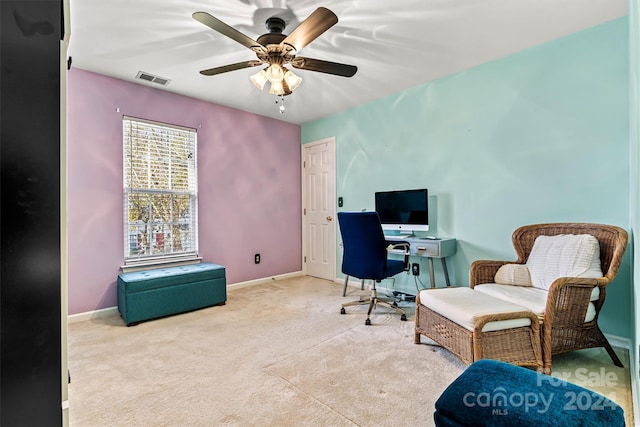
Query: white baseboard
point(91, 315)
point(617, 341)
point(264, 280)
point(110, 311)
point(352, 282)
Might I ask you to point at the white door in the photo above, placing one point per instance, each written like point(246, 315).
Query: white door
point(318, 209)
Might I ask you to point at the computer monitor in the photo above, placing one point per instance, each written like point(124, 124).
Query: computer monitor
point(403, 210)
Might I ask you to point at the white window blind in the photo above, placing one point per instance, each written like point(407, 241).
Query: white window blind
point(160, 192)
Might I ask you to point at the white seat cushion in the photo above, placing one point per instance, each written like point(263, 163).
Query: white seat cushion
point(463, 306)
point(533, 299)
point(563, 255)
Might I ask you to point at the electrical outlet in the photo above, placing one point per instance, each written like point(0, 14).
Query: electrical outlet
point(415, 269)
point(256, 258)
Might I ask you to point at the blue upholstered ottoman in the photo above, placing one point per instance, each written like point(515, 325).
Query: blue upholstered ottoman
point(149, 294)
point(493, 393)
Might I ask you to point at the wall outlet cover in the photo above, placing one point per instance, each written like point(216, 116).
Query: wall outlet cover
point(415, 269)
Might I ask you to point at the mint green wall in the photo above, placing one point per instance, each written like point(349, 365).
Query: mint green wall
point(539, 136)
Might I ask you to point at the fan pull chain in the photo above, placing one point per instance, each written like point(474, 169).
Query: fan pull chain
point(280, 100)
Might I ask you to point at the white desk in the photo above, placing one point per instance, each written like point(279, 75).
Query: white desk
point(430, 249)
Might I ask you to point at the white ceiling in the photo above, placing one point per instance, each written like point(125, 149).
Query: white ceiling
point(395, 44)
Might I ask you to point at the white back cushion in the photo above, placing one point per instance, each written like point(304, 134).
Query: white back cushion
point(563, 255)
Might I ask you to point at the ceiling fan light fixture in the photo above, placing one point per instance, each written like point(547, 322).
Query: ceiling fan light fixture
point(259, 79)
point(292, 80)
point(275, 73)
point(277, 87)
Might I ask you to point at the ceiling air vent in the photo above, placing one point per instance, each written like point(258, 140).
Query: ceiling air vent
point(151, 78)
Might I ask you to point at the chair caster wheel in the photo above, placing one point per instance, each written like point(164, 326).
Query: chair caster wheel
point(367, 322)
point(403, 317)
point(343, 311)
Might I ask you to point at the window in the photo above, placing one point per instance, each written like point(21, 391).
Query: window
point(160, 192)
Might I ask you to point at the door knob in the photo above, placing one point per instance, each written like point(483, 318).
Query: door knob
point(329, 218)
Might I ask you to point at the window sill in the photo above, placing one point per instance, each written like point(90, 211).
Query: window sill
point(148, 264)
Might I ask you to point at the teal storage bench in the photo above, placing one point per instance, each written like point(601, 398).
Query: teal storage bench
point(149, 294)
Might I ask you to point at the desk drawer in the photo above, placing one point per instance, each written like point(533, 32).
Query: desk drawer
point(431, 249)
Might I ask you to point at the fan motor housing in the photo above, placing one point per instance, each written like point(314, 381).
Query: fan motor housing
point(271, 38)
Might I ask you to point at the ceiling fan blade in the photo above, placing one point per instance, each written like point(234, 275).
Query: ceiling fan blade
point(230, 67)
point(317, 23)
point(225, 29)
point(328, 67)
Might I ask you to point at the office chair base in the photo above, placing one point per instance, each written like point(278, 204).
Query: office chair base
point(373, 302)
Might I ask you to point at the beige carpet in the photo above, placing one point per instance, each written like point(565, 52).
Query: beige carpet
point(277, 354)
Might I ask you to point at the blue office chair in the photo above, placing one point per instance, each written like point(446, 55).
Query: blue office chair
point(365, 257)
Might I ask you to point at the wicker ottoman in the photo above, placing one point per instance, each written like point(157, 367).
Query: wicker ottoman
point(476, 326)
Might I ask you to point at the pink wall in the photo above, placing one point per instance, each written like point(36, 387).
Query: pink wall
point(249, 185)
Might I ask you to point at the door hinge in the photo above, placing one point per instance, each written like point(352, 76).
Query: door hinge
point(304, 211)
point(304, 164)
point(305, 258)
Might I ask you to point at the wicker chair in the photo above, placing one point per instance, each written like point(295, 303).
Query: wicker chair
point(563, 328)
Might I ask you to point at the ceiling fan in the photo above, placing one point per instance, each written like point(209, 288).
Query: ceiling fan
point(277, 50)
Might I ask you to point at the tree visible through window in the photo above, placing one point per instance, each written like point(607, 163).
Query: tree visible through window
point(160, 191)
